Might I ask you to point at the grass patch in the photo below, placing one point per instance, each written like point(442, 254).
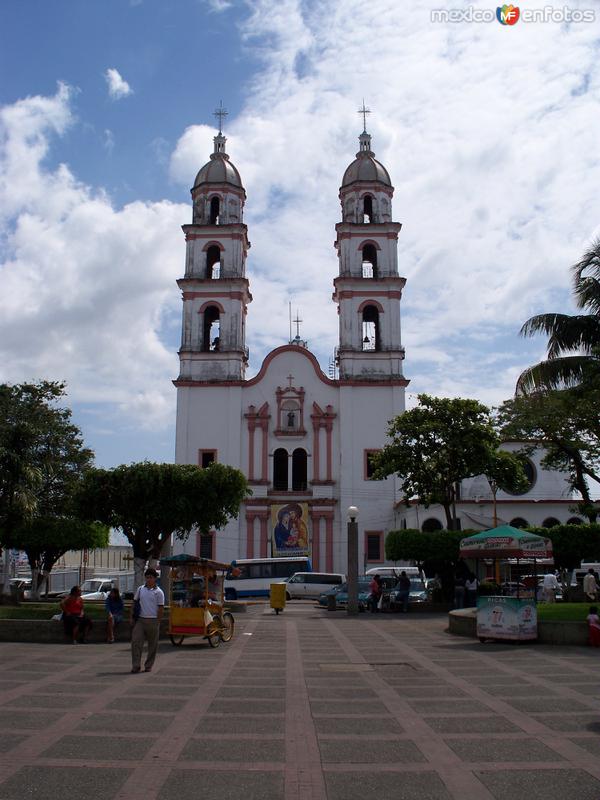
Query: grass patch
point(563, 612)
point(48, 610)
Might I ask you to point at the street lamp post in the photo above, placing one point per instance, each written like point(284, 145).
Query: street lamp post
point(352, 607)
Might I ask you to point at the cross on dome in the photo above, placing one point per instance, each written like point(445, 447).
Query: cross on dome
point(364, 111)
point(220, 113)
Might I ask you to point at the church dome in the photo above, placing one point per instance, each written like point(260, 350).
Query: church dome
point(365, 166)
point(219, 169)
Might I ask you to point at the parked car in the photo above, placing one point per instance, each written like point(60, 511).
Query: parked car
point(21, 586)
point(418, 593)
point(311, 584)
point(364, 581)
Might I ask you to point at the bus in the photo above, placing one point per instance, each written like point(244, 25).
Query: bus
point(257, 575)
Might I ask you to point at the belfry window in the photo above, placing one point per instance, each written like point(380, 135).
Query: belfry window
point(280, 470)
point(215, 208)
point(368, 208)
point(211, 332)
point(213, 262)
point(369, 261)
point(370, 329)
point(299, 470)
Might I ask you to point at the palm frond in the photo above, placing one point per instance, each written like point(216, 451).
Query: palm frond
point(557, 373)
point(566, 334)
point(586, 279)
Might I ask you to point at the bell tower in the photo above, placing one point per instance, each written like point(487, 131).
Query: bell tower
point(215, 289)
point(368, 288)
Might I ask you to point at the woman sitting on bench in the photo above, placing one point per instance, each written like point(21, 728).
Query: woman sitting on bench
point(74, 619)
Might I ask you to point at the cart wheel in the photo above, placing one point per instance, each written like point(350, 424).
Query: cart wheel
point(227, 627)
point(277, 610)
point(213, 632)
point(177, 640)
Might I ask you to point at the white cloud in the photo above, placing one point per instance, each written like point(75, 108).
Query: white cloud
point(489, 138)
point(218, 6)
point(117, 85)
point(108, 141)
point(86, 289)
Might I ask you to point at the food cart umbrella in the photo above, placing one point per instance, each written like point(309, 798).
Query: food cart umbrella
point(505, 542)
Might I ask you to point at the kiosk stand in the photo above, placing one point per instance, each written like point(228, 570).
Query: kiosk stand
point(507, 617)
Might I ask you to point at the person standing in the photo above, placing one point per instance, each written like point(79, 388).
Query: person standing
point(376, 590)
point(403, 591)
point(471, 586)
point(550, 585)
point(590, 587)
point(150, 600)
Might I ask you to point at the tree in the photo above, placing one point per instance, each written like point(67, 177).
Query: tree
point(573, 355)
point(42, 458)
point(421, 547)
point(46, 539)
point(572, 544)
point(439, 443)
point(149, 502)
point(566, 422)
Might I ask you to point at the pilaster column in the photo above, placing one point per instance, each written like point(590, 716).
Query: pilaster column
point(316, 436)
point(329, 541)
point(329, 429)
point(251, 429)
point(250, 515)
point(315, 523)
point(264, 533)
point(265, 449)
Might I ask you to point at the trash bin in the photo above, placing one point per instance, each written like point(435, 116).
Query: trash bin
point(278, 596)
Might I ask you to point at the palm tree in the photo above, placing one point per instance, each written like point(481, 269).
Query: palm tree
point(573, 340)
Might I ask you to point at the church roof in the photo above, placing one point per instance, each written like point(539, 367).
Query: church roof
point(365, 166)
point(219, 170)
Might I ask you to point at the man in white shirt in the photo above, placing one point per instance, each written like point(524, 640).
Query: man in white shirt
point(550, 585)
point(150, 601)
point(590, 587)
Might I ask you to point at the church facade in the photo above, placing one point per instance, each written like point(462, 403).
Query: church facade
point(303, 439)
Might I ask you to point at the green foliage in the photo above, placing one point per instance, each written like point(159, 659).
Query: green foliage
point(572, 544)
point(149, 502)
point(573, 340)
point(41, 452)
point(46, 539)
point(568, 423)
point(439, 443)
point(413, 545)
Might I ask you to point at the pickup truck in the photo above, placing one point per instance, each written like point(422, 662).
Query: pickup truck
point(98, 588)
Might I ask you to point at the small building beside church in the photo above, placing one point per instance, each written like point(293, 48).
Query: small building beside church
point(303, 439)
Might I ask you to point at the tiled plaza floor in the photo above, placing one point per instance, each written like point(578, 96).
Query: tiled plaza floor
point(304, 705)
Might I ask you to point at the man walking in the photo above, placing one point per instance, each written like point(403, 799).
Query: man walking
point(150, 602)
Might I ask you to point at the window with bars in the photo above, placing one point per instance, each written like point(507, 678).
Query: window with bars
point(374, 541)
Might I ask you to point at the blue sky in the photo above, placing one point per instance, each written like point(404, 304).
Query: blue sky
point(490, 134)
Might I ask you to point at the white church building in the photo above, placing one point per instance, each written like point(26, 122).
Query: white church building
point(303, 439)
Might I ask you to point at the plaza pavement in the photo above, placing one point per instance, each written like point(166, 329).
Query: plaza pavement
point(306, 705)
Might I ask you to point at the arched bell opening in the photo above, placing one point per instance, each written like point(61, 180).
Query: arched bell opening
point(280, 470)
point(368, 208)
point(299, 470)
point(371, 339)
point(213, 262)
point(211, 333)
point(215, 210)
point(369, 261)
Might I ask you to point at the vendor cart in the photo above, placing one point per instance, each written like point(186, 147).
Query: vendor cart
point(196, 600)
point(507, 617)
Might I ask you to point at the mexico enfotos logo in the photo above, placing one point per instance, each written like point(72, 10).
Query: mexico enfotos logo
point(509, 15)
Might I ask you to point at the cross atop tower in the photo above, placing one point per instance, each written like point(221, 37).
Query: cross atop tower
point(364, 111)
point(220, 113)
point(297, 322)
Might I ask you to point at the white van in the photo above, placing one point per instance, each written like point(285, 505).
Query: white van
point(312, 584)
point(394, 572)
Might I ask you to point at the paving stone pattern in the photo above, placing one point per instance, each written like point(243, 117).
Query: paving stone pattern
point(307, 705)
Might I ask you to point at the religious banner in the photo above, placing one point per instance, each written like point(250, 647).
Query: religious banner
point(289, 526)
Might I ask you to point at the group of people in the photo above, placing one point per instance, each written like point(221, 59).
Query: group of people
point(402, 589)
point(465, 590)
point(145, 616)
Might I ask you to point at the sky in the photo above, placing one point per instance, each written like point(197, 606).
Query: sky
point(490, 133)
